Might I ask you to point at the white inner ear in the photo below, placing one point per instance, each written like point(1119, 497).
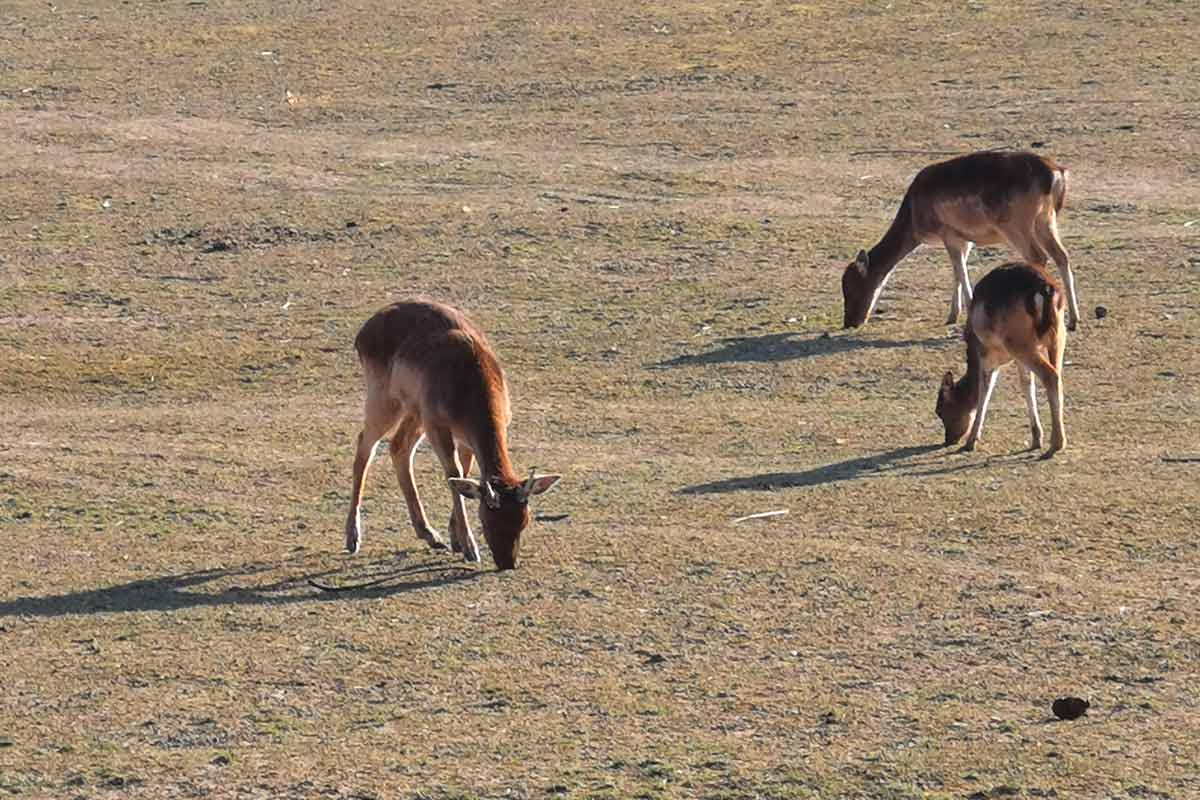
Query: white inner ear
point(542, 483)
point(467, 487)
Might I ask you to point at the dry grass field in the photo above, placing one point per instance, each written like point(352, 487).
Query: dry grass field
point(648, 207)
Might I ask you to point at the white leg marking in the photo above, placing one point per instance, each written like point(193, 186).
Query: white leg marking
point(987, 382)
point(1029, 390)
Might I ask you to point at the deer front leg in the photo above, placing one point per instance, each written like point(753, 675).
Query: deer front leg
point(987, 382)
point(442, 441)
point(466, 457)
point(404, 450)
point(960, 299)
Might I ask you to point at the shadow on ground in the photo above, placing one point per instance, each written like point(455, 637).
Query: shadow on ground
point(172, 592)
point(774, 347)
point(840, 471)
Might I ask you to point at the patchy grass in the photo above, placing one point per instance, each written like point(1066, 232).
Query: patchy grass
point(649, 211)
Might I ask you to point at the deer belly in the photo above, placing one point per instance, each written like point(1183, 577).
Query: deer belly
point(993, 351)
point(406, 385)
point(967, 219)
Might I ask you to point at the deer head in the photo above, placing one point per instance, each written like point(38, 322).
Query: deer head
point(856, 291)
point(955, 408)
point(504, 510)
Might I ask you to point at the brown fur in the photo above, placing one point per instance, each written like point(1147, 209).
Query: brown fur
point(1016, 315)
point(431, 371)
point(982, 198)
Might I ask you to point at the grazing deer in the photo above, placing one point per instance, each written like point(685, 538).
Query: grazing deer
point(981, 198)
point(431, 373)
point(1015, 315)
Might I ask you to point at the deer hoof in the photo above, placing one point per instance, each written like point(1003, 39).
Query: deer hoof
point(432, 538)
point(471, 550)
point(1054, 448)
point(969, 447)
point(353, 536)
point(1072, 324)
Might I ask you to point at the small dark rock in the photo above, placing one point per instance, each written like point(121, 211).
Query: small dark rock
point(1101, 312)
point(1070, 707)
point(218, 246)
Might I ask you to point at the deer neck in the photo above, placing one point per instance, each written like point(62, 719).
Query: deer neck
point(967, 388)
point(898, 242)
point(489, 440)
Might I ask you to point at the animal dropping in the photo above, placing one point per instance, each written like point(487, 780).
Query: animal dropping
point(982, 198)
point(431, 374)
point(1069, 708)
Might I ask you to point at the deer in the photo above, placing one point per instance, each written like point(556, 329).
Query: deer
point(978, 199)
point(1016, 314)
point(431, 374)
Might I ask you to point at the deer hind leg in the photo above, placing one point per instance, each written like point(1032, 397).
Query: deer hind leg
point(442, 441)
point(466, 457)
point(958, 250)
point(1053, 244)
point(1050, 372)
point(1027, 242)
point(403, 450)
point(380, 421)
point(1029, 390)
point(1051, 380)
point(987, 382)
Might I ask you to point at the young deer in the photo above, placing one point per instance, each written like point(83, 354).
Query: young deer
point(430, 372)
point(982, 198)
point(1015, 315)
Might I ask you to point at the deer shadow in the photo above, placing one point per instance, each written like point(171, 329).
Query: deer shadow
point(186, 590)
point(776, 347)
point(829, 473)
point(865, 467)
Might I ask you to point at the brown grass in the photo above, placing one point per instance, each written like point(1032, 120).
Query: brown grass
point(648, 209)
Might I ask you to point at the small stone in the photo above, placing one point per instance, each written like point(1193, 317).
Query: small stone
point(1101, 312)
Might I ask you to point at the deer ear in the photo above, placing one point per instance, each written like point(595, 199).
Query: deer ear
point(861, 262)
point(540, 484)
point(467, 487)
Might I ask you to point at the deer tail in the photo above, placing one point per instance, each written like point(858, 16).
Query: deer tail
point(1058, 188)
point(1051, 299)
